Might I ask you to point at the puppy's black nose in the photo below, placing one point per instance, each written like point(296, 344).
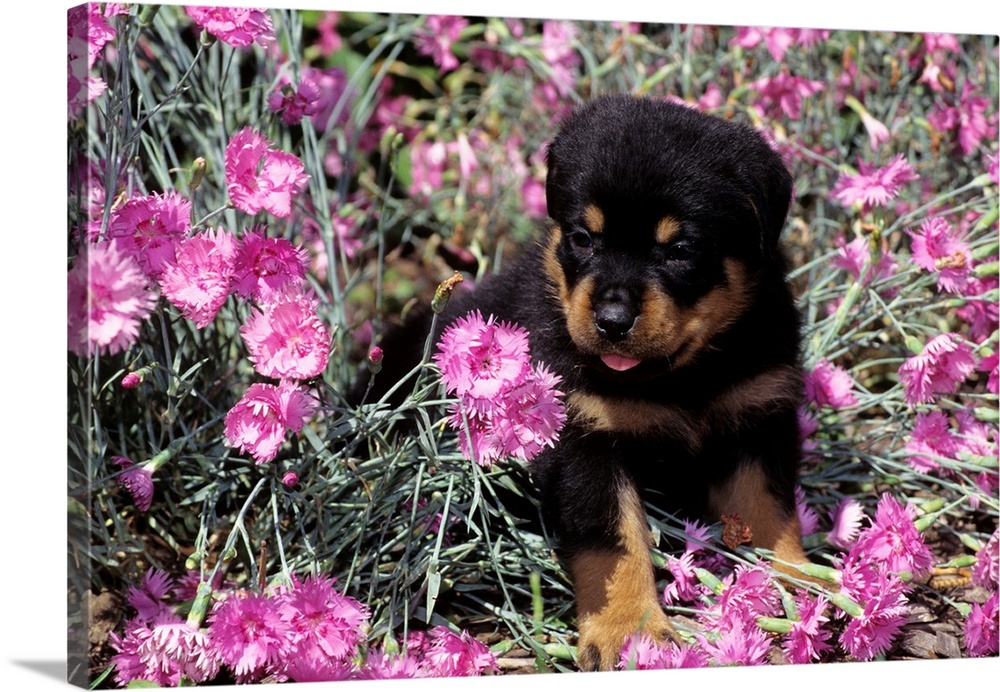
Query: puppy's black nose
point(614, 315)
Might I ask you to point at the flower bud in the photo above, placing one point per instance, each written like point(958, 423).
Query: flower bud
point(987, 269)
point(963, 561)
point(986, 414)
point(375, 360)
point(197, 173)
point(914, 344)
point(778, 625)
point(290, 479)
point(443, 292)
point(131, 380)
point(823, 572)
point(846, 604)
point(710, 580)
point(147, 14)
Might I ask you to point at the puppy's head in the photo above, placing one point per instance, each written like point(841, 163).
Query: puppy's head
point(665, 221)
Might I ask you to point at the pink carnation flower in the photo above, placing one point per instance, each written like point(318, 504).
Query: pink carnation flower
point(808, 519)
point(931, 437)
point(457, 655)
point(251, 634)
point(259, 177)
point(990, 365)
point(259, 421)
point(807, 640)
point(944, 362)
point(969, 117)
point(294, 103)
point(640, 652)
point(559, 53)
point(436, 38)
point(108, 299)
point(327, 628)
point(162, 652)
point(855, 258)
point(878, 133)
point(777, 39)
point(237, 26)
point(893, 540)
point(980, 629)
point(147, 598)
point(329, 41)
point(986, 572)
point(531, 415)
point(264, 265)
point(781, 95)
point(936, 248)
point(981, 314)
point(88, 32)
point(380, 665)
point(198, 280)
point(428, 161)
point(480, 358)
point(520, 421)
point(685, 587)
point(286, 338)
point(138, 481)
point(846, 523)
point(749, 594)
point(150, 227)
point(871, 186)
point(872, 633)
point(830, 385)
point(740, 643)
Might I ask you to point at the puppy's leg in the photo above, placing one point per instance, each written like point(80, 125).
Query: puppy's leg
point(773, 522)
point(615, 592)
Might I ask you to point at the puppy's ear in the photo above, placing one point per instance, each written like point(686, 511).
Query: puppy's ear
point(553, 188)
point(771, 198)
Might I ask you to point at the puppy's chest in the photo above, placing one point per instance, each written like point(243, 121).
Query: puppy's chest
point(686, 421)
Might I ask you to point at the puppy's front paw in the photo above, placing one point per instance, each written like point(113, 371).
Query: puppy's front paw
point(603, 634)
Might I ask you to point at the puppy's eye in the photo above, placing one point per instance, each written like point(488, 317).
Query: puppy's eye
point(581, 240)
point(680, 251)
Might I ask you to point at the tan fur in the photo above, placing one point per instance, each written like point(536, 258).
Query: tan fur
point(615, 591)
point(633, 416)
point(770, 391)
point(553, 269)
point(746, 494)
point(714, 312)
point(593, 218)
point(666, 229)
point(663, 329)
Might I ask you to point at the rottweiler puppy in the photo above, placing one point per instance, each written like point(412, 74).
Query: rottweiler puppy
point(658, 295)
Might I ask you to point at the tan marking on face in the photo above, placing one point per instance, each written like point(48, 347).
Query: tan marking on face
point(746, 493)
point(593, 218)
point(553, 269)
point(714, 312)
point(575, 302)
point(615, 592)
point(666, 229)
point(579, 307)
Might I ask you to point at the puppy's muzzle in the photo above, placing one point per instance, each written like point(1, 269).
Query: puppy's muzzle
point(615, 314)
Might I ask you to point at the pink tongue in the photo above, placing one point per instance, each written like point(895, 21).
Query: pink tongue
point(620, 363)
